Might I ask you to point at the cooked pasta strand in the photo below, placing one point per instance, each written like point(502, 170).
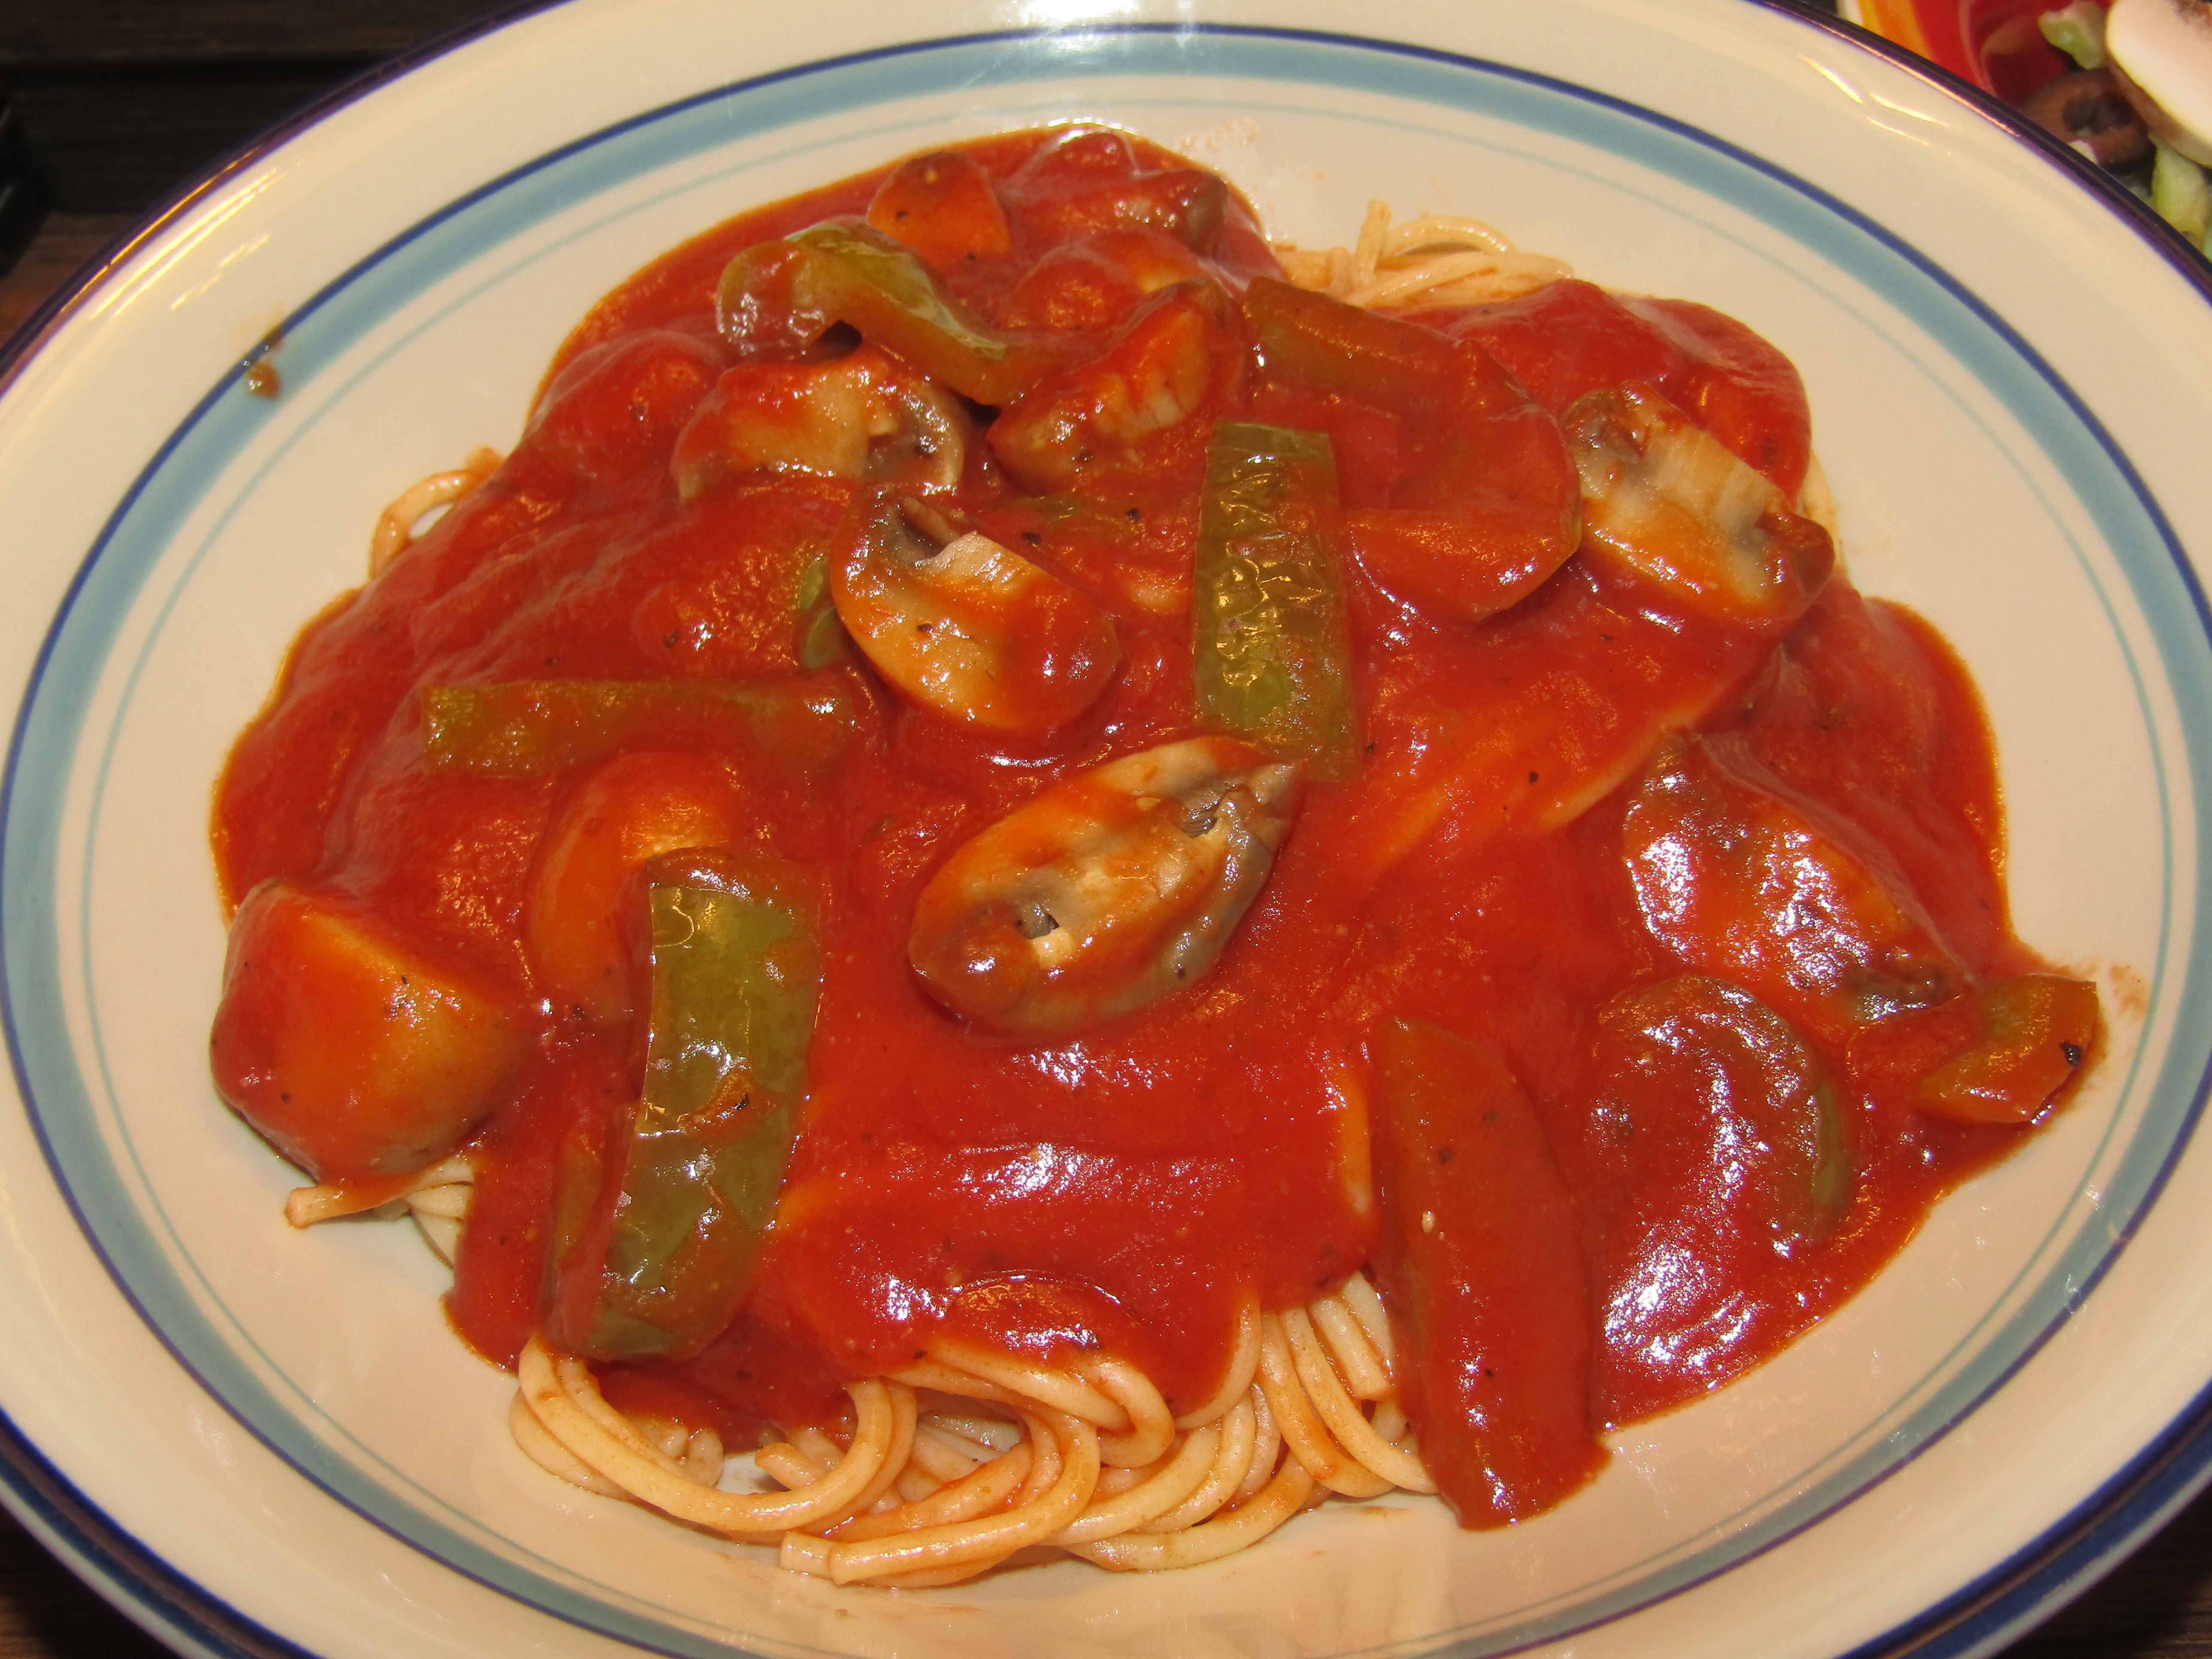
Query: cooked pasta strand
point(1443, 230)
point(1151, 1424)
point(1367, 251)
point(1267, 1446)
point(981, 1436)
point(786, 1464)
point(306, 1206)
point(565, 1400)
point(396, 525)
point(1366, 1306)
point(915, 1483)
point(1486, 273)
point(1246, 1525)
point(948, 1379)
point(1325, 1391)
point(1172, 1480)
point(818, 1447)
point(704, 1456)
point(552, 1456)
point(1389, 1420)
point(986, 1541)
point(945, 1456)
point(1432, 260)
point(903, 1423)
point(449, 1199)
point(1237, 1381)
point(935, 1490)
point(1304, 1431)
point(981, 1489)
point(1045, 1459)
point(697, 1452)
point(1024, 1379)
point(1238, 1438)
point(1365, 1373)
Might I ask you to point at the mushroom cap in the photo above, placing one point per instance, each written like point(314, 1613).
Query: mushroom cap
point(2162, 50)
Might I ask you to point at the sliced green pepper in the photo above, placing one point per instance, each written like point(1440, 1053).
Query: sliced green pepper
point(1998, 1053)
point(1271, 652)
point(2178, 191)
point(2035, 1032)
point(1324, 344)
point(1481, 1260)
point(1719, 1150)
point(821, 635)
point(2077, 30)
point(736, 968)
point(1488, 506)
point(797, 727)
point(779, 296)
point(1712, 1061)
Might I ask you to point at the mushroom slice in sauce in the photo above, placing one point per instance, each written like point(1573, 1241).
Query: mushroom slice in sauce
point(963, 626)
point(1670, 512)
point(862, 417)
point(1108, 891)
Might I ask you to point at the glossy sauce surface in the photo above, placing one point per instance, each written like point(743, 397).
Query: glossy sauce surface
point(1128, 1186)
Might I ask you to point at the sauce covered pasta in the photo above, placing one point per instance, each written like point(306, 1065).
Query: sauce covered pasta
point(1085, 881)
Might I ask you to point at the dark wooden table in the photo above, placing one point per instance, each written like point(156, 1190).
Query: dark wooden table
point(122, 96)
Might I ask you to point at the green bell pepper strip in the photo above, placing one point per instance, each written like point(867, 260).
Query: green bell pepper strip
point(796, 728)
point(2034, 1031)
point(735, 969)
point(1325, 344)
point(1725, 1058)
point(1480, 1258)
point(779, 296)
point(1997, 1053)
point(821, 635)
point(1272, 645)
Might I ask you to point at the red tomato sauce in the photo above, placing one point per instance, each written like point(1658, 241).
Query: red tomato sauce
point(1496, 894)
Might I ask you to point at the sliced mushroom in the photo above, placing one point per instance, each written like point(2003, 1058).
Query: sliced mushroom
point(961, 625)
point(864, 416)
point(1156, 374)
point(359, 1055)
point(944, 207)
point(1488, 506)
point(1108, 891)
point(1671, 513)
point(634, 807)
point(1091, 284)
point(2161, 54)
point(1091, 178)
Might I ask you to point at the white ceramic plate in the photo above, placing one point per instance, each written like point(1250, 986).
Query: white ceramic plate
point(263, 1440)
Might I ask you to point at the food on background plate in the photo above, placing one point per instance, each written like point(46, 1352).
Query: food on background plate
point(1092, 881)
point(2128, 83)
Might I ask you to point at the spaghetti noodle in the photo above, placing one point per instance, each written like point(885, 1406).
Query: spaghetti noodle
point(923, 1491)
point(1433, 260)
point(396, 526)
